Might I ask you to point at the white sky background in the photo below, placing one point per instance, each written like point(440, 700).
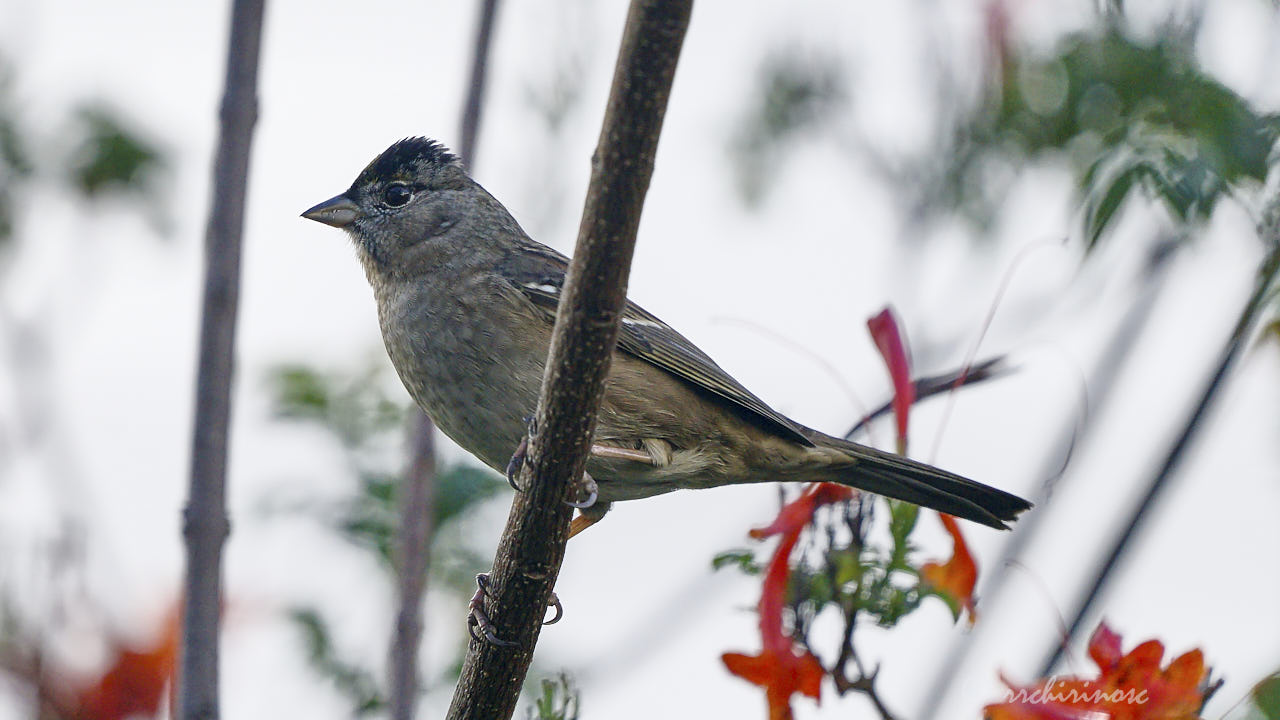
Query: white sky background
point(646, 620)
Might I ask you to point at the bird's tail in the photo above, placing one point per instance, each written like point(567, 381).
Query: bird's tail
point(901, 478)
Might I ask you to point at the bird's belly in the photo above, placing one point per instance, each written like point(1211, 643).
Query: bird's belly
point(472, 380)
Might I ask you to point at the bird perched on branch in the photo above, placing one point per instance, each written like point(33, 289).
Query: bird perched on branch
point(467, 300)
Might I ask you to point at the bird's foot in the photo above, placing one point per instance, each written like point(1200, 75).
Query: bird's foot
point(586, 488)
point(478, 620)
point(516, 463)
point(481, 628)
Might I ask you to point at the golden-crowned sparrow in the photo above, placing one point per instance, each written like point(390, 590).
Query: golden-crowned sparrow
point(466, 302)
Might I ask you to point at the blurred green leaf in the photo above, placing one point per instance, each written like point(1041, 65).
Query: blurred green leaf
point(902, 520)
point(354, 407)
point(743, 560)
point(301, 392)
point(356, 683)
point(1142, 111)
point(847, 564)
point(462, 487)
point(798, 92)
point(371, 519)
point(1105, 198)
point(15, 162)
point(1266, 697)
point(810, 586)
point(112, 157)
point(1125, 115)
point(559, 700)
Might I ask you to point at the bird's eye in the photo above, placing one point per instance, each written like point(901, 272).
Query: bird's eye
point(397, 195)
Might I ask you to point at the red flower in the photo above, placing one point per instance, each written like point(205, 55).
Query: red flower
point(955, 579)
point(1128, 687)
point(778, 668)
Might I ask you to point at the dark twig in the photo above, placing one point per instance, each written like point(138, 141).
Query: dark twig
point(532, 545)
point(205, 525)
point(929, 386)
point(417, 504)
point(488, 11)
point(855, 515)
point(1266, 279)
point(865, 683)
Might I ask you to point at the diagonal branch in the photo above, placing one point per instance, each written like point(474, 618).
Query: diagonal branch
point(1267, 277)
point(532, 545)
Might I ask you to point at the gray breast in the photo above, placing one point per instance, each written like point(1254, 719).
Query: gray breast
point(477, 380)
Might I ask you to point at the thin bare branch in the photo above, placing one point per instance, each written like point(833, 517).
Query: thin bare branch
point(205, 524)
point(412, 550)
point(417, 502)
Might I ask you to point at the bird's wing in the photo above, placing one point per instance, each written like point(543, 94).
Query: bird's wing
point(538, 271)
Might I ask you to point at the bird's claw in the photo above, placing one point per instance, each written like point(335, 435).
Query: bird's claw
point(481, 628)
point(478, 620)
point(586, 485)
point(554, 602)
point(516, 463)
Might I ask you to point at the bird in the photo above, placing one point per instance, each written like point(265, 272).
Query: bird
point(466, 303)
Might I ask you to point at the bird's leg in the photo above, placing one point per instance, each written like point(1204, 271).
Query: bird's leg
point(586, 485)
point(587, 517)
point(616, 453)
point(478, 620)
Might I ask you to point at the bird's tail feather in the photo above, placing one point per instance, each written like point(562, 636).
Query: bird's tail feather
point(901, 478)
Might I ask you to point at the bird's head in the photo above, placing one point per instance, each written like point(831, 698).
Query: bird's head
point(405, 208)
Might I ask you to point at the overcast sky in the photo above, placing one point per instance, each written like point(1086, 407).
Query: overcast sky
point(646, 620)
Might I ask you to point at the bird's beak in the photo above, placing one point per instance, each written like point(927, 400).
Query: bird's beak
point(338, 211)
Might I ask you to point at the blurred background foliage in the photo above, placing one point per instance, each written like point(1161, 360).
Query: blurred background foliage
point(360, 416)
point(1127, 113)
point(96, 154)
point(1123, 113)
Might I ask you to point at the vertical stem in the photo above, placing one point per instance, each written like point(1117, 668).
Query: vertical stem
point(205, 524)
point(475, 91)
point(417, 502)
point(412, 548)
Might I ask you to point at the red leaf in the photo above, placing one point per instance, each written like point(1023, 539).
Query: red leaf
point(893, 348)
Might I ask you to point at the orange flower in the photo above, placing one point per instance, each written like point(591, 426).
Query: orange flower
point(955, 579)
point(781, 674)
point(778, 668)
point(1128, 687)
